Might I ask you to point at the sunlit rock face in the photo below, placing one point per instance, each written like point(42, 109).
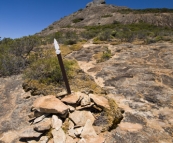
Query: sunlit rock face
point(95, 2)
point(99, 1)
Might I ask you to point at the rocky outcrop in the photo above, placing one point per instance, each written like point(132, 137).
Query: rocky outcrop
point(139, 78)
point(95, 2)
point(102, 14)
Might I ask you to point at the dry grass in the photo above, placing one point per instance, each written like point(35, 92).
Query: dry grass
point(77, 47)
point(114, 115)
point(65, 50)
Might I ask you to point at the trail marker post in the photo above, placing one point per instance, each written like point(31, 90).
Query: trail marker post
point(58, 52)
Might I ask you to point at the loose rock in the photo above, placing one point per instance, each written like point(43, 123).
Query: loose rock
point(88, 130)
point(80, 117)
point(30, 133)
point(56, 122)
point(71, 132)
point(78, 131)
point(100, 101)
point(58, 136)
point(43, 139)
point(69, 139)
point(71, 99)
point(85, 101)
point(43, 125)
point(97, 139)
point(50, 104)
point(71, 108)
point(40, 118)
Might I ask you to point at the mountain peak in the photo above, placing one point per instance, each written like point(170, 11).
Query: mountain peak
point(96, 2)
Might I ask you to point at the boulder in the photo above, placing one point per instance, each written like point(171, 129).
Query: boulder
point(56, 122)
point(58, 136)
point(71, 132)
point(31, 141)
point(50, 141)
point(99, 2)
point(89, 4)
point(50, 104)
point(29, 133)
point(100, 101)
point(43, 139)
point(95, 2)
point(69, 139)
point(71, 108)
point(78, 131)
point(80, 117)
point(43, 125)
point(72, 98)
point(40, 118)
point(85, 101)
point(88, 130)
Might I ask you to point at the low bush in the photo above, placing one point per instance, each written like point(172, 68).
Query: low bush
point(47, 70)
point(14, 54)
point(107, 15)
point(147, 10)
point(77, 20)
point(103, 56)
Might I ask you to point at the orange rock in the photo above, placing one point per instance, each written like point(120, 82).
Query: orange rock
point(100, 101)
point(50, 104)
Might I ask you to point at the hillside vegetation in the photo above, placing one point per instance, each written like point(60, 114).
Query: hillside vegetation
point(107, 14)
point(34, 56)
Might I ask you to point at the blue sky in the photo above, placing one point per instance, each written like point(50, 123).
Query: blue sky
point(26, 17)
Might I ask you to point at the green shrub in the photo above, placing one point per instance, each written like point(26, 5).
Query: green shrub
point(70, 42)
point(80, 9)
point(103, 56)
point(147, 10)
point(77, 20)
point(105, 35)
point(47, 70)
point(107, 15)
point(89, 34)
point(50, 27)
point(14, 54)
point(106, 55)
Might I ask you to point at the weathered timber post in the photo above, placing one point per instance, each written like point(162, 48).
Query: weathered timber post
point(58, 52)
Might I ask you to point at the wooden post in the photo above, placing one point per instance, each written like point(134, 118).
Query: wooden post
point(64, 73)
point(58, 52)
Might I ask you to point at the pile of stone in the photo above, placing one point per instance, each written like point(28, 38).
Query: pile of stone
point(65, 119)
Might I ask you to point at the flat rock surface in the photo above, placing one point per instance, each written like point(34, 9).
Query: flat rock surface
point(140, 79)
point(50, 104)
point(13, 108)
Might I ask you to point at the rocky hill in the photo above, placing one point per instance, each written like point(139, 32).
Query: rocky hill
point(120, 73)
point(101, 14)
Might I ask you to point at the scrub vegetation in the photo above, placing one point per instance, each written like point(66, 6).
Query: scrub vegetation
point(34, 56)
